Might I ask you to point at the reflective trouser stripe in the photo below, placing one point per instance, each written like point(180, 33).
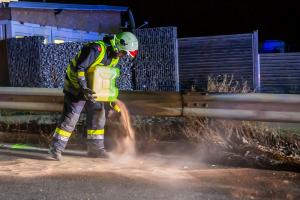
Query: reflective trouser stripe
point(95, 137)
point(62, 134)
point(95, 134)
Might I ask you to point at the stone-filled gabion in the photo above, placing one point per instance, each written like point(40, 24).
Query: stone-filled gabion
point(125, 81)
point(156, 68)
point(34, 64)
point(24, 61)
point(54, 59)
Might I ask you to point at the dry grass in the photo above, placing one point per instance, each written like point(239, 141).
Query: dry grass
point(248, 141)
point(252, 143)
point(235, 134)
point(226, 84)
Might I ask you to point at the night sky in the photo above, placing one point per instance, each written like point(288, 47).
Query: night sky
point(277, 20)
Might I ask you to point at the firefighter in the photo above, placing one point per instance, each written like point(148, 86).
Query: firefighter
point(78, 95)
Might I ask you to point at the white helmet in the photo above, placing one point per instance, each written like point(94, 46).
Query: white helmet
point(127, 41)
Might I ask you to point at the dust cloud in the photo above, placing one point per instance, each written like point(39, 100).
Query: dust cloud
point(124, 143)
point(124, 154)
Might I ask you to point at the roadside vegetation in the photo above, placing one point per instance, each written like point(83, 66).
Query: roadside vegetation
point(229, 142)
point(243, 143)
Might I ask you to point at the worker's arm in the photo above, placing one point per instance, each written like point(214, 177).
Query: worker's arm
point(88, 55)
point(86, 58)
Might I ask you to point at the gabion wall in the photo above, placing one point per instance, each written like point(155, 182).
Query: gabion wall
point(156, 68)
point(34, 64)
point(24, 61)
point(54, 58)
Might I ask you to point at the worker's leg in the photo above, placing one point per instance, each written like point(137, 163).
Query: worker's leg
point(95, 129)
point(71, 112)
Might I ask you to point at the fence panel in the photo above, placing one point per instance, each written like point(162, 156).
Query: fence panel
point(280, 72)
point(200, 57)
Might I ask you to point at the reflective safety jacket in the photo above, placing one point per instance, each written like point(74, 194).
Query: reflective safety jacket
point(91, 55)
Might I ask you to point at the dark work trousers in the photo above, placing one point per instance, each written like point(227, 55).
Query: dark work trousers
point(73, 106)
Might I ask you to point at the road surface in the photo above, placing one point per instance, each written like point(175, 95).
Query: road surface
point(152, 176)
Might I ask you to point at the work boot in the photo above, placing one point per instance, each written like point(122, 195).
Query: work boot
point(56, 147)
point(101, 153)
point(96, 149)
point(55, 154)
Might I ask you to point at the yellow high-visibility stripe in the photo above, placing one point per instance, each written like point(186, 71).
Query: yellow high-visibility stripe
point(63, 132)
point(80, 74)
point(72, 76)
point(74, 62)
point(99, 58)
point(95, 132)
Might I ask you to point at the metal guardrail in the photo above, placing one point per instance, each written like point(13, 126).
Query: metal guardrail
point(254, 106)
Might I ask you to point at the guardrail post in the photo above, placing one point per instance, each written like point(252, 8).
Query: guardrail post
point(256, 62)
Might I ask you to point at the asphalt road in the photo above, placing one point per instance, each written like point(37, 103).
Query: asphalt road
point(152, 176)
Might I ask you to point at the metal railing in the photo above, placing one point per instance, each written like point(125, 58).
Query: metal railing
point(253, 106)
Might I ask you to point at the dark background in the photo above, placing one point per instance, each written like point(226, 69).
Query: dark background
point(274, 20)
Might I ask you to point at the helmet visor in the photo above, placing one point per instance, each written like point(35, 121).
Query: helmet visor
point(133, 54)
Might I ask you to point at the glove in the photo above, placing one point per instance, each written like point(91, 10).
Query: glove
point(88, 95)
